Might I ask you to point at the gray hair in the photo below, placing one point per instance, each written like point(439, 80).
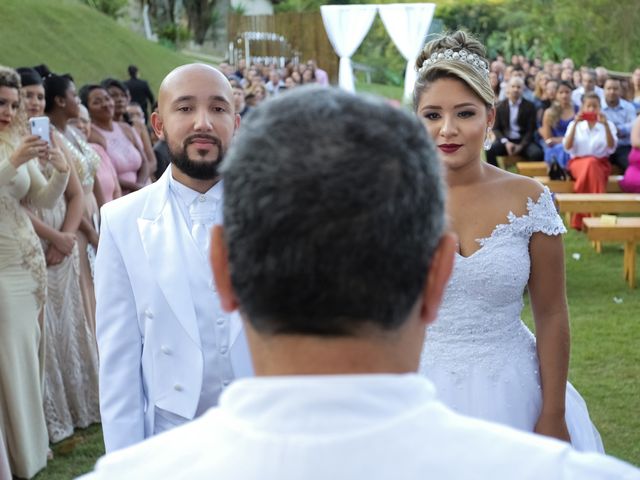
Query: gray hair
point(333, 208)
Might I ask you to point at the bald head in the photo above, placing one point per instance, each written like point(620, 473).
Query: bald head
point(180, 77)
point(197, 119)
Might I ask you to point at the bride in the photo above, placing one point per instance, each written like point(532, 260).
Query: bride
point(483, 360)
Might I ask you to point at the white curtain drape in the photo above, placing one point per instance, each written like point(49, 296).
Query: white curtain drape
point(346, 27)
point(407, 25)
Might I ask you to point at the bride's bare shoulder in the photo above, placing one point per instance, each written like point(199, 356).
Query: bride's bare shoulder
point(515, 190)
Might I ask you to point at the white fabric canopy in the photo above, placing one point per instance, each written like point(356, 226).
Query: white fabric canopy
point(346, 26)
point(407, 25)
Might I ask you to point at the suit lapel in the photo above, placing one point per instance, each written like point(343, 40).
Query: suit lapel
point(164, 237)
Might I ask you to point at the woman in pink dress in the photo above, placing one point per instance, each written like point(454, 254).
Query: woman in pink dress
point(631, 181)
point(106, 174)
point(118, 139)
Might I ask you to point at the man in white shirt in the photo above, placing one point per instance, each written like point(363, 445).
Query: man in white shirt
point(588, 85)
point(334, 249)
point(167, 349)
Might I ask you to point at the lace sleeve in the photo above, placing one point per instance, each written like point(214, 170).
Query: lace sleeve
point(542, 216)
point(43, 193)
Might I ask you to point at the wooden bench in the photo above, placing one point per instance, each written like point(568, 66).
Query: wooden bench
point(504, 162)
point(627, 230)
point(566, 186)
point(598, 203)
point(532, 169)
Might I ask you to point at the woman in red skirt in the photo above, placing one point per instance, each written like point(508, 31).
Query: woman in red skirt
point(590, 139)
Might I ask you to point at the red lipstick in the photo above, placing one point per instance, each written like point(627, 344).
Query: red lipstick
point(449, 147)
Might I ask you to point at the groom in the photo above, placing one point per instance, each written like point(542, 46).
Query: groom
point(334, 251)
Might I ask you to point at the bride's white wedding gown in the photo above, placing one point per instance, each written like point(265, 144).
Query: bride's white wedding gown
point(480, 355)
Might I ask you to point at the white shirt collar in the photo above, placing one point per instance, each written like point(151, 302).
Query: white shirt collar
point(327, 403)
point(188, 196)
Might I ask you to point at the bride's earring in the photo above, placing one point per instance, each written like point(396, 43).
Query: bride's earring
point(487, 141)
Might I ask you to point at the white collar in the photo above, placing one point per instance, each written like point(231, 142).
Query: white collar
point(188, 196)
point(324, 403)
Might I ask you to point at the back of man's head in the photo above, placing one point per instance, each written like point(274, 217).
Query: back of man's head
point(333, 210)
point(133, 71)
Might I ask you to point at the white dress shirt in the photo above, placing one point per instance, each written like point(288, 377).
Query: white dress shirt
point(514, 128)
point(590, 142)
point(373, 427)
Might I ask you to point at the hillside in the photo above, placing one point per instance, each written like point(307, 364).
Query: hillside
point(73, 38)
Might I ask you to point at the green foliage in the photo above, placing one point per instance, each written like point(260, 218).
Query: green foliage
point(378, 51)
point(172, 35)
point(111, 8)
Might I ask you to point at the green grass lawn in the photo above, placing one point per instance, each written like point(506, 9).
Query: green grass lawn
point(605, 359)
point(73, 38)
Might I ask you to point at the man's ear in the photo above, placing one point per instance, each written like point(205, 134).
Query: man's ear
point(438, 277)
point(220, 265)
point(157, 124)
point(237, 123)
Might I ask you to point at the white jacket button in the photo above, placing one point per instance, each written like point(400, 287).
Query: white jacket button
point(148, 313)
point(177, 387)
point(166, 350)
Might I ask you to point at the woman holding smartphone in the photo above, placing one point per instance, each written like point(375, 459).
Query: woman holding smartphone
point(590, 139)
point(23, 280)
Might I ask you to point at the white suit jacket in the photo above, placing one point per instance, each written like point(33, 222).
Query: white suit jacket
point(373, 427)
point(148, 336)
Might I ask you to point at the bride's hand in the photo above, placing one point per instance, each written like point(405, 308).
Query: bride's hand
point(553, 426)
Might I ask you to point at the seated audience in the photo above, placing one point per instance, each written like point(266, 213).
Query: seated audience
point(622, 114)
point(335, 286)
point(515, 126)
point(239, 100)
point(590, 139)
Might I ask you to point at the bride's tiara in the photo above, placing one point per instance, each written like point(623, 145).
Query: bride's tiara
point(449, 55)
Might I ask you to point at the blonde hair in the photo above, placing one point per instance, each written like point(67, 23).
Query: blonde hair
point(9, 78)
point(465, 72)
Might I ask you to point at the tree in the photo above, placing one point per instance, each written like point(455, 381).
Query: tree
point(200, 17)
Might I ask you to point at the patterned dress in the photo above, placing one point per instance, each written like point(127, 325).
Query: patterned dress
point(23, 282)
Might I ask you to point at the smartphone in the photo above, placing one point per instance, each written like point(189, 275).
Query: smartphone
point(40, 127)
point(589, 116)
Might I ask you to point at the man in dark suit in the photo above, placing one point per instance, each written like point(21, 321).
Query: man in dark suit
point(139, 91)
point(515, 126)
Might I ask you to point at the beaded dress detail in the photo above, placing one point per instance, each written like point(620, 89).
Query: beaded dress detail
point(480, 355)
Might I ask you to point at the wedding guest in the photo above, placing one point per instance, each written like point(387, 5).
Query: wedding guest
point(587, 85)
point(482, 358)
point(23, 280)
point(622, 114)
point(140, 91)
point(590, 139)
point(71, 367)
point(121, 100)
point(335, 285)
point(116, 138)
point(106, 175)
point(515, 126)
point(62, 105)
point(555, 121)
point(631, 180)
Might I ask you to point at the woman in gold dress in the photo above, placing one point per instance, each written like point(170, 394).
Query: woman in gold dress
point(23, 280)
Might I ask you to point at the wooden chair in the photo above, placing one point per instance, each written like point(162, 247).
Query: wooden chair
point(509, 161)
point(626, 230)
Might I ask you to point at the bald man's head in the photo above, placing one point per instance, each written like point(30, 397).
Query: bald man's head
point(196, 117)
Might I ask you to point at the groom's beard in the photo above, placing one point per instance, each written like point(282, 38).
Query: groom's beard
point(198, 169)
